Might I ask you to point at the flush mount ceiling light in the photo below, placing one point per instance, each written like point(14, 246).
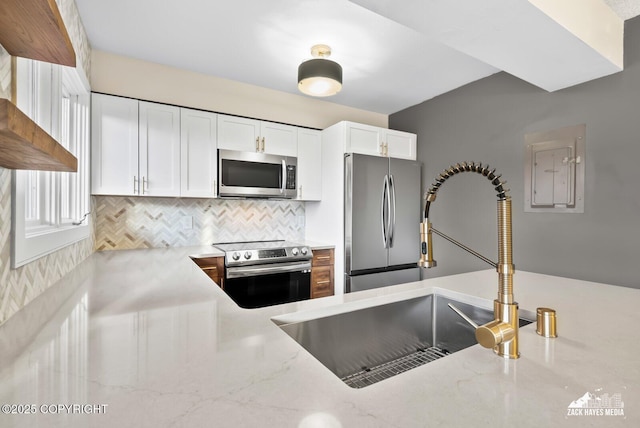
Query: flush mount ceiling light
point(320, 77)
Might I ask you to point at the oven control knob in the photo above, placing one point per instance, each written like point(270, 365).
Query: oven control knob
point(235, 256)
point(247, 255)
point(294, 251)
point(304, 251)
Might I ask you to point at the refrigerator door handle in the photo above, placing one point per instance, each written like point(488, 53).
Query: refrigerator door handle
point(389, 212)
point(383, 210)
point(392, 210)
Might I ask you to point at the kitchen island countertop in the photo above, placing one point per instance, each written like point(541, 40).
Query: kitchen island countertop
point(144, 338)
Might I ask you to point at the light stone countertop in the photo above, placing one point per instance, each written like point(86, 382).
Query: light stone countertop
point(317, 245)
point(150, 341)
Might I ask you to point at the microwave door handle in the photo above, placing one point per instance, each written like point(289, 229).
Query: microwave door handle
point(284, 175)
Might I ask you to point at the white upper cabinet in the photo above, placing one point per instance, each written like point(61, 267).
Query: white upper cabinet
point(198, 144)
point(238, 133)
point(135, 147)
point(114, 145)
point(250, 135)
point(142, 148)
point(309, 165)
point(159, 145)
point(371, 140)
point(363, 139)
point(400, 144)
point(278, 139)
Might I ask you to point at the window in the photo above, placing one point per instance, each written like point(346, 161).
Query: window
point(48, 207)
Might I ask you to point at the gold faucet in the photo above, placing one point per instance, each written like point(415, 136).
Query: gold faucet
point(501, 334)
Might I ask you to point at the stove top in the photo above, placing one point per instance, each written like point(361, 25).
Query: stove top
point(262, 252)
point(253, 245)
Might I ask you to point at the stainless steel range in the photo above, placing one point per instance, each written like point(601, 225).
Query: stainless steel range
point(265, 273)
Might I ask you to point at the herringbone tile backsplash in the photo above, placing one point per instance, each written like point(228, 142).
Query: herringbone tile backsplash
point(77, 34)
point(5, 74)
point(140, 222)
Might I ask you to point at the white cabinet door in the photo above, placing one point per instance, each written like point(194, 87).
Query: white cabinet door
point(159, 143)
point(371, 140)
point(250, 135)
point(400, 144)
point(364, 139)
point(198, 157)
point(278, 139)
point(309, 165)
point(238, 133)
point(114, 145)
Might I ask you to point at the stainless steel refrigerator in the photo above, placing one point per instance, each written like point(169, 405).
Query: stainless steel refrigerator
point(382, 220)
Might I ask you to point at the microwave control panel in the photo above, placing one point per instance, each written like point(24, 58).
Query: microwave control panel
point(291, 177)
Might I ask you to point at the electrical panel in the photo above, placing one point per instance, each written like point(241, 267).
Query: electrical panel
point(554, 170)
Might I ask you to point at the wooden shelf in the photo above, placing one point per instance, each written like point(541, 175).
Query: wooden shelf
point(24, 145)
point(34, 29)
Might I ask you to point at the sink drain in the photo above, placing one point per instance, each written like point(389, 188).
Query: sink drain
point(370, 375)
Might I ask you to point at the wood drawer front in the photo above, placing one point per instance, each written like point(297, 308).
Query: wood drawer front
point(322, 258)
point(321, 281)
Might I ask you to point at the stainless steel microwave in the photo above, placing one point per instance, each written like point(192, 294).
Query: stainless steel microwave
point(258, 175)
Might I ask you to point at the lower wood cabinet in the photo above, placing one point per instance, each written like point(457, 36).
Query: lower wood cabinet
point(213, 267)
point(322, 283)
point(322, 273)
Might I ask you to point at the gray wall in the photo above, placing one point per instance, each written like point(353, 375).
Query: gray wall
point(486, 121)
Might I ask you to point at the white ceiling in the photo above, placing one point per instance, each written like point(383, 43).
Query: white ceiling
point(387, 66)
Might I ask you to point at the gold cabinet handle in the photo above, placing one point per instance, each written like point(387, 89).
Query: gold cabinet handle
point(262, 144)
point(323, 257)
point(209, 268)
point(257, 144)
point(322, 282)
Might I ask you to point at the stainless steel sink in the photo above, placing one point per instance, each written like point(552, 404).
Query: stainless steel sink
point(368, 345)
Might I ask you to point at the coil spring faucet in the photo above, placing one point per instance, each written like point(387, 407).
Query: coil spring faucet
point(501, 334)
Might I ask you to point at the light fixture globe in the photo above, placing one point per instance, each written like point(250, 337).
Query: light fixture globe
point(320, 77)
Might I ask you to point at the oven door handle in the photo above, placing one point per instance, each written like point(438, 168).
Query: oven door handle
point(246, 271)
